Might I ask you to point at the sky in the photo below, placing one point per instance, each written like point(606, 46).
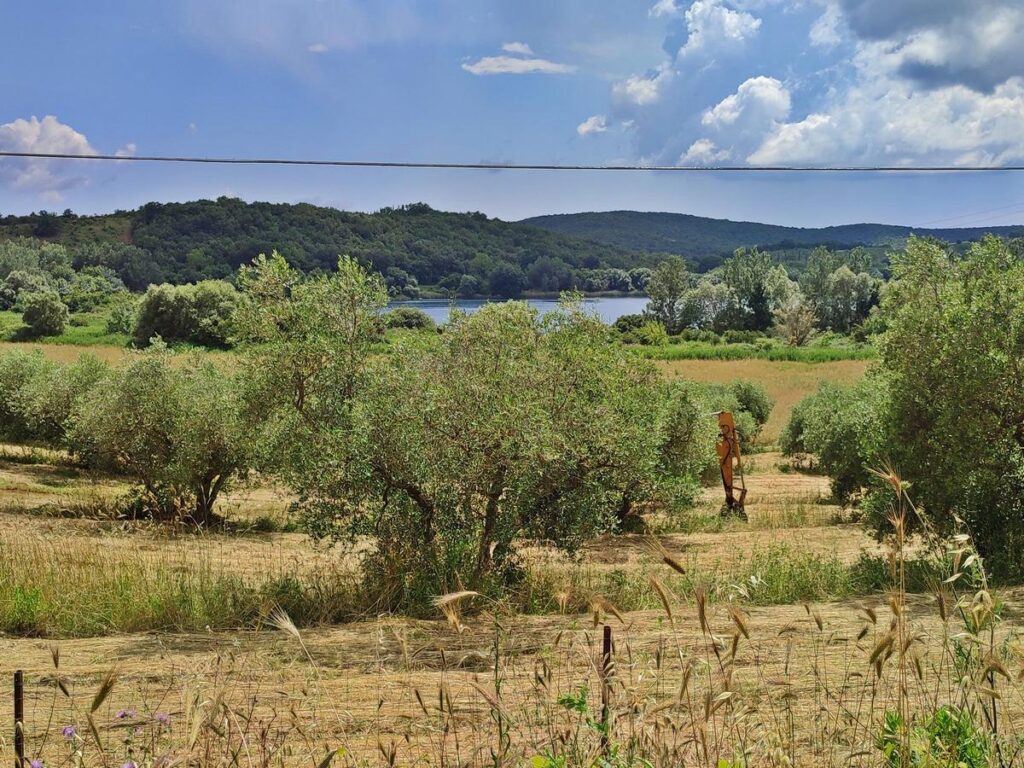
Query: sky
point(653, 82)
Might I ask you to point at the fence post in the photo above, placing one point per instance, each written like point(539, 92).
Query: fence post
point(19, 719)
point(606, 671)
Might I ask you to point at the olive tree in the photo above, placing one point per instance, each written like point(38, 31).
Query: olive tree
point(953, 353)
point(173, 428)
point(450, 448)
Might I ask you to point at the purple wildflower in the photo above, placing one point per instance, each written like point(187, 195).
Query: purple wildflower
point(36, 764)
point(69, 731)
point(129, 764)
point(163, 718)
point(126, 714)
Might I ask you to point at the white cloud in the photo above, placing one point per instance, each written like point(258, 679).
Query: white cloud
point(887, 121)
point(641, 90)
point(50, 136)
point(711, 24)
point(703, 152)
point(664, 8)
point(318, 48)
point(511, 65)
point(520, 48)
point(824, 31)
point(593, 124)
point(758, 99)
point(128, 150)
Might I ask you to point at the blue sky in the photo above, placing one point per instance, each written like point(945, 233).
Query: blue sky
point(693, 82)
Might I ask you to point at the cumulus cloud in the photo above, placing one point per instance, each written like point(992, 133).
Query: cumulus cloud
point(50, 136)
point(894, 82)
point(703, 152)
point(759, 99)
point(593, 124)
point(641, 90)
point(976, 43)
point(711, 24)
point(318, 48)
point(521, 48)
point(890, 122)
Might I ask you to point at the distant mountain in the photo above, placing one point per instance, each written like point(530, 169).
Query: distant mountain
point(706, 241)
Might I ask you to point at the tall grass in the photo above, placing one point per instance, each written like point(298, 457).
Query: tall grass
point(696, 682)
point(67, 588)
point(698, 350)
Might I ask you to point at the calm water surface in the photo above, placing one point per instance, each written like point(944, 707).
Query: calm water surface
point(608, 309)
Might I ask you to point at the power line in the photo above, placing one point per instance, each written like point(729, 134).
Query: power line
point(520, 166)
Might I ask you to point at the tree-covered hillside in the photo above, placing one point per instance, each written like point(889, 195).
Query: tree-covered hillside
point(707, 241)
point(412, 245)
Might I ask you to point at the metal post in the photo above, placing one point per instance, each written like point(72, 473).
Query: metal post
point(606, 671)
point(19, 719)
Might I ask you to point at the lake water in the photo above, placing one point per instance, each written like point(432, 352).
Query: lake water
point(609, 309)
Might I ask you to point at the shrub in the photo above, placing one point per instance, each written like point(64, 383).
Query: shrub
point(754, 400)
point(21, 282)
point(48, 399)
point(651, 334)
point(195, 314)
point(408, 317)
point(952, 354)
point(44, 314)
point(18, 370)
point(847, 428)
point(176, 430)
point(121, 318)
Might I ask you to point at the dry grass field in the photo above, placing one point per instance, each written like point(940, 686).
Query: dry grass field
point(786, 382)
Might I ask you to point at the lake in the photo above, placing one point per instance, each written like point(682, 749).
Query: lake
point(609, 309)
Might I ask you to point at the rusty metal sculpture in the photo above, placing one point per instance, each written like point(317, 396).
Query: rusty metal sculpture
point(731, 464)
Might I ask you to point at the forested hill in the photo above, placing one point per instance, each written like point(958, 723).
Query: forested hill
point(184, 242)
point(707, 240)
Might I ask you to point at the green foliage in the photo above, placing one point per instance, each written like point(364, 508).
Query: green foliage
point(950, 737)
point(174, 429)
point(839, 297)
point(48, 399)
point(847, 427)
point(952, 354)
point(508, 425)
point(706, 350)
point(408, 317)
point(753, 399)
point(195, 314)
point(18, 370)
point(506, 281)
point(43, 313)
point(667, 288)
point(21, 282)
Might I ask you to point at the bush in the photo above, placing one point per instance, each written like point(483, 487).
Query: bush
point(121, 318)
point(733, 336)
point(651, 334)
point(48, 400)
point(847, 428)
point(754, 400)
point(18, 370)
point(194, 314)
point(952, 355)
point(176, 430)
point(21, 282)
point(44, 314)
point(408, 317)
